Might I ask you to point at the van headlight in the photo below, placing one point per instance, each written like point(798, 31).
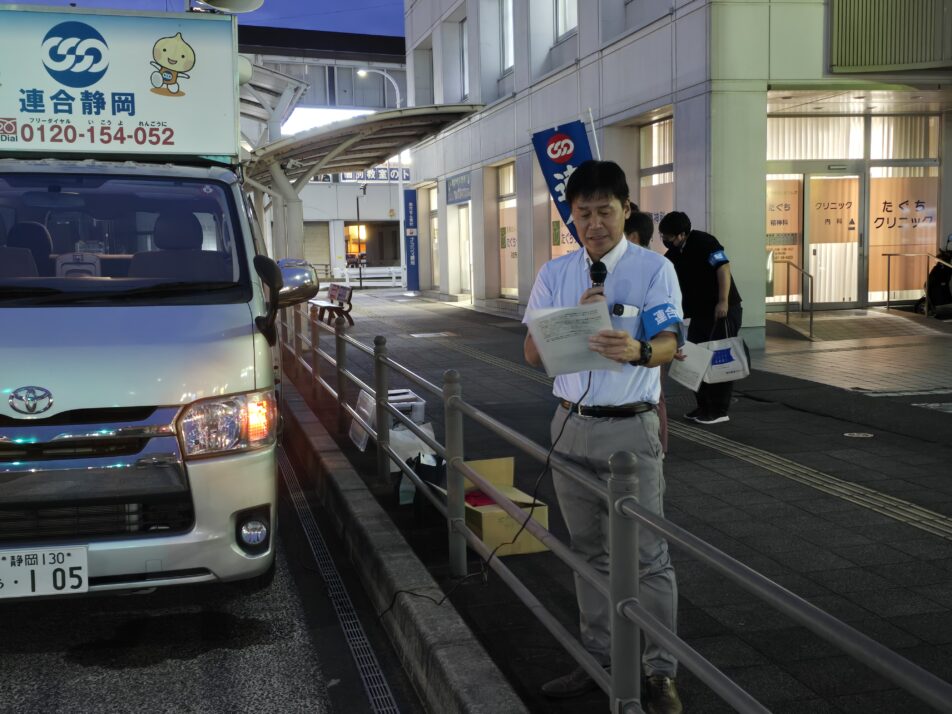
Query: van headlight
point(234, 423)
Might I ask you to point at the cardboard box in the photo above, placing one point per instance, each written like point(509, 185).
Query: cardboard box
point(491, 523)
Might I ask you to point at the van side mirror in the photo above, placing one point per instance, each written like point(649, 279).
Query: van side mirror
point(270, 274)
point(300, 282)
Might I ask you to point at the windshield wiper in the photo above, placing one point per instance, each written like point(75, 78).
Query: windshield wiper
point(161, 289)
point(52, 295)
point(20, 291)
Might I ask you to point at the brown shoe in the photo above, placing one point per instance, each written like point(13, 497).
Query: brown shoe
point(574, 684)
point(662, 696)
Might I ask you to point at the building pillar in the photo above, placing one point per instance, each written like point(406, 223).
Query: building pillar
point(945, 179)
point(737, 213)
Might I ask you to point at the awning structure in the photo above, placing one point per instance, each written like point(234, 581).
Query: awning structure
point(355, 144)
point(266, 102)
point(284, 167)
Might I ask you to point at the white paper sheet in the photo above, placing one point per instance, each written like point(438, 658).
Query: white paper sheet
point(561, 337)
point(690, 371)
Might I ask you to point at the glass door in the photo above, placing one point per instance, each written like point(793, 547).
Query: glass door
point(833, 241)
point(465, 251)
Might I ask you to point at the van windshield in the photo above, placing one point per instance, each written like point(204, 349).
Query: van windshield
point(94, 239)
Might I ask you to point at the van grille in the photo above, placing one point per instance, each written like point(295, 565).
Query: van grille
point(107, 415)
point(71, 450)
point(158, 518)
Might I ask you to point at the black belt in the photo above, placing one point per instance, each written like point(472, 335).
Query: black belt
point(615, 412)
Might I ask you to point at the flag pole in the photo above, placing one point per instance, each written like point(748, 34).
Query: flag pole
point(591, 120)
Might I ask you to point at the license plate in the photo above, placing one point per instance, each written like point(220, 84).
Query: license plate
point(53, 571)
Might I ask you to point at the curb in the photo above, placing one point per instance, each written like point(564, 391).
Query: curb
point(449, 668)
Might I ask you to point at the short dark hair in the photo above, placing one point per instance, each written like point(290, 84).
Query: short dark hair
point(642, 224)
point(675, 223)
point(597, 178)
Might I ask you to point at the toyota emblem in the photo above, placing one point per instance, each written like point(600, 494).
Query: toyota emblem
point(31, 400)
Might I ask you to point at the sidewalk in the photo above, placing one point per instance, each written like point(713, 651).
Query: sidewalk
point(838, 487)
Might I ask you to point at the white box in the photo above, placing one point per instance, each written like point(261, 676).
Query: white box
point(409, 403)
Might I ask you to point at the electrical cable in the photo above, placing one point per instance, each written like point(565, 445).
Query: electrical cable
point(484, 565)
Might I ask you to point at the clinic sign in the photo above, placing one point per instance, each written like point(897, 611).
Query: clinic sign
point(560, 151)
point(111, 83)
point(459, 188)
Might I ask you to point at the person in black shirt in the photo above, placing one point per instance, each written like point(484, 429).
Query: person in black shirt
point(710, 300)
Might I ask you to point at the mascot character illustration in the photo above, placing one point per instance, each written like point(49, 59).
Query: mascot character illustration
point(173, 58)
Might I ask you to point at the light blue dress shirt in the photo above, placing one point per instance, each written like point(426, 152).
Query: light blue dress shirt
point(637, 277)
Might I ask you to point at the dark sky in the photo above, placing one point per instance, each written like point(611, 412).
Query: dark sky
point(372, 17)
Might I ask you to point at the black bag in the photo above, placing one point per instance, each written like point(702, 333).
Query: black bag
point(424, 514)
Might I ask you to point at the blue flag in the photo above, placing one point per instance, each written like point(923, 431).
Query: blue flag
point(411, 238)
point(560, 151)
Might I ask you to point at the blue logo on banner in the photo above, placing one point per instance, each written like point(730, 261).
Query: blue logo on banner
point(411, 239)
point(560, 151)
point(75, 54)
point(722, 356)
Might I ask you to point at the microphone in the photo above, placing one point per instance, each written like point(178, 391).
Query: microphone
point(598, 272)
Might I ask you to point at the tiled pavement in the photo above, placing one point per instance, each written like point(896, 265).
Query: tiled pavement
point(885, 576)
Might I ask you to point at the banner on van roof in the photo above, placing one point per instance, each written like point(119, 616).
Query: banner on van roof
point(117, 83)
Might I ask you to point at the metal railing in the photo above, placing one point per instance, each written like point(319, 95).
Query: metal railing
point(807, 275)
point(625, 516)
point(927, 256)
point(391, 276)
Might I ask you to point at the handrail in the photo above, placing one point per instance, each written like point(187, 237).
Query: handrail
point(796, 267)
point(927, 256)
point(626, 515)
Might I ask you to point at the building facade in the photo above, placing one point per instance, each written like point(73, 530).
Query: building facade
point(350, 219)
point(811, 133)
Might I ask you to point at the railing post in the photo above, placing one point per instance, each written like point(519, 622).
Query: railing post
point(298, 343)
point(888, 278)
point(341, 358)
point(315, 335)
point(623, 583)
point(811, 304)
point(787, 263)
point(383, 416)
point(455, 505)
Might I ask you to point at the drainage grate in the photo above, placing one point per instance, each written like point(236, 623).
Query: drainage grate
point(937, 406)
point(911, 393)
point(378, 690)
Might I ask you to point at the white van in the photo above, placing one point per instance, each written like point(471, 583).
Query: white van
point(138, 416)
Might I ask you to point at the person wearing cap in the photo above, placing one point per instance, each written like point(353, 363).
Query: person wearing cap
point(711, 302)
point(603, 412)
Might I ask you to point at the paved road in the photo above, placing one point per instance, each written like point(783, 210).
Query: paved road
point(831, 487)
point(206, 648)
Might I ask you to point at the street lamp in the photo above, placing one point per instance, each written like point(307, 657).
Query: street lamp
point(361, 191)
point(363, 72)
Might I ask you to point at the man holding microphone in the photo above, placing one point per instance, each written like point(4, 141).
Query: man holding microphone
point(604, 411)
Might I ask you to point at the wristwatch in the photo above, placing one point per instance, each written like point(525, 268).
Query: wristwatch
point(645, 356)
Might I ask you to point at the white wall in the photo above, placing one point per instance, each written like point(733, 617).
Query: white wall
point(707, 62)
point(337, 204)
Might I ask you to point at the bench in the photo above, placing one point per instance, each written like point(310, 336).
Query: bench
point(336, 305)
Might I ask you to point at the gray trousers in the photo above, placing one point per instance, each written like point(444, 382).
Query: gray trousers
point(590, 443)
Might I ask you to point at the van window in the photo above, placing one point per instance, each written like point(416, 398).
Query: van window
point(100, 239)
